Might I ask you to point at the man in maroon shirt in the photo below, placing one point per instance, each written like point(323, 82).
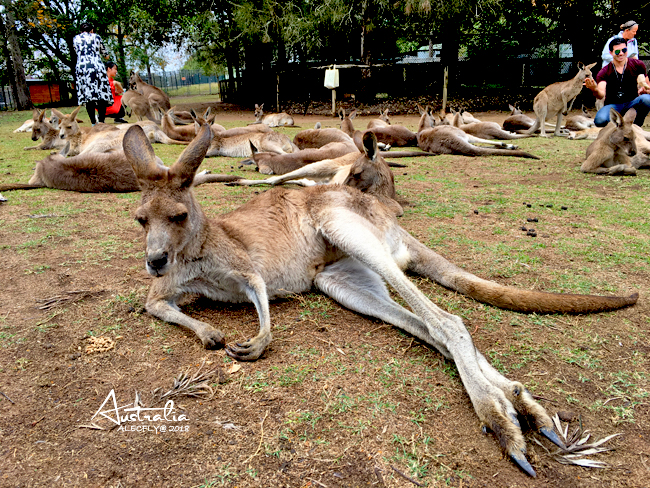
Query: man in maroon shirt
point(617, 84)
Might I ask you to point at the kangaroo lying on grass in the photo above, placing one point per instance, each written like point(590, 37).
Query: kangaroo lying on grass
point(46, 129)
point(555, 100)
point(610, 154)
point(367, 172)
point(445, 139)
point(579, 122)
point(381, 121)
point(343, 242)
point(282, 119)
point(485, 130)
point(388, 136)
point(95, 173)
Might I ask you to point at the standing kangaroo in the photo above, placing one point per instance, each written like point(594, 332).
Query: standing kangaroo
point(555, 100)
point(138, 105)
point(341, 241)
point(158, 99)
point(610, 154)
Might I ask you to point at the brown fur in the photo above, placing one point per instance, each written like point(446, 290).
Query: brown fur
point(344, 243)
point(610, 154)
point(138, 104)
point(278, 164)
point(485, 130)
point(381, 121)
point(157, 99)
point(176, 132)
point(315, 138)
point(446, 139)
point(46, 129)
point(282, 119)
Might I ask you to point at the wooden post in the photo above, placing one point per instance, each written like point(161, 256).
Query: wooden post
point(277, 94)
point(444, 89)
point(334, 103)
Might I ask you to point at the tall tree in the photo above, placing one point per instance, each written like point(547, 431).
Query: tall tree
point(14, 59)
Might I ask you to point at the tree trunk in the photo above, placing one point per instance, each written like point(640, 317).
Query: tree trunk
point(450, 46)
point(23, 98)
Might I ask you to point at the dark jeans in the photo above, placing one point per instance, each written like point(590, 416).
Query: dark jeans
point(641, 104)
point(100, 106)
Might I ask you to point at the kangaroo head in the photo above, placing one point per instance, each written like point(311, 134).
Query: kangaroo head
point(169, 213)
point(585, 71)
point(514, 110)
point(259, 113)
point(370, 173)
point(40, 127)
point(623, 138)
point(346, 121)
point(68, 125)
point(426, 118)
point(384, 116)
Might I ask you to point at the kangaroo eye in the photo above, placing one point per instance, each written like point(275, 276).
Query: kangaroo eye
point(178, 218)
point(141, 220)
point(626, 139)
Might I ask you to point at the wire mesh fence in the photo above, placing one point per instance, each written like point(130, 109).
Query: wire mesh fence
point(184, 82)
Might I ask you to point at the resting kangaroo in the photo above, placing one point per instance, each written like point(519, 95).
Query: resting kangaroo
point(445, 139)
point(485, 130)
point(555, 100)
point(272, 120)
point(46, 129)
point(94, 173)
point(610, 154)
point(343, 242)
point(387, 136)
point(367, 172)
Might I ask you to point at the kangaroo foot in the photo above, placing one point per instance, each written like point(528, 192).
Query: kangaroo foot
point(212, 338)
point(249, 350)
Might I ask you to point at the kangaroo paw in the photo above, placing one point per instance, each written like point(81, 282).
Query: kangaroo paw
point(212, 339)
point(250, 350)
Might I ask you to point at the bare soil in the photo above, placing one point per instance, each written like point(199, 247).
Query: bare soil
point(338, 400)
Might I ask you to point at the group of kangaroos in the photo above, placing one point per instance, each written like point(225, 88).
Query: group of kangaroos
point(340, 234)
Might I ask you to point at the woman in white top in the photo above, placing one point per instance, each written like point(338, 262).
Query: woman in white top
point(628, 32)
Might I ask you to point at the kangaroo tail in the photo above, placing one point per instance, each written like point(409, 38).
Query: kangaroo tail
point(489, 151)
point(427, 263)
point(20, 186)
point(534, 128)
point(405, 154)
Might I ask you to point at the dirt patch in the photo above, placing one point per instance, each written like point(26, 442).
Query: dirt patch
point(338, 400)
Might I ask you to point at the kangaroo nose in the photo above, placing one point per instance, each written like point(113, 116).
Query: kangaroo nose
point(158, 262)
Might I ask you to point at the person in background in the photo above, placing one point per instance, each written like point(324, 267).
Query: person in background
point(116, 110)
point(616, 83)
point(93, 88)
point(628, 32)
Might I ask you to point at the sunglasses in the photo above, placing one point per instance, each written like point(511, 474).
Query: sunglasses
point(619, 51)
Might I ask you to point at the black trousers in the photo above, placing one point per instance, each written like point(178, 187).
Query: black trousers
point(100, 106)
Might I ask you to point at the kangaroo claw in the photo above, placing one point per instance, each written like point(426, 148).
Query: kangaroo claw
point(520, 460)
point(551, 436)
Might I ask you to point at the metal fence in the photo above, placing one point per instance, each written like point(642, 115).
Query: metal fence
point(184, 82)
point(395, 80)
point(7, 101)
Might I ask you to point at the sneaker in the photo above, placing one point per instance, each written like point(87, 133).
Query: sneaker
point(121, 121)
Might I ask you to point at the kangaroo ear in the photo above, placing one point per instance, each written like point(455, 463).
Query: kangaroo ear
point(353, 114)
point(254, 150)
point(370, 146)
point(615, 117)
point(630, 115)
point(182, 171)
point(57, 113)
point(341, 114)
point(581, 65)
point(589, 66)
point(41, 115)
point(74, 113)
point(456, 121)
point(139, 153)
